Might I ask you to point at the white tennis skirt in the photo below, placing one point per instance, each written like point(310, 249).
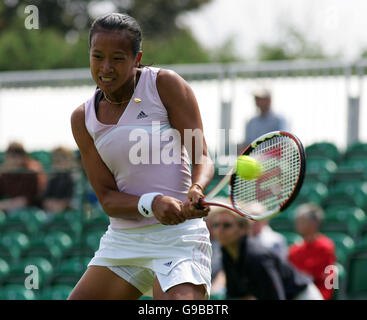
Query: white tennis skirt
point(174, 254)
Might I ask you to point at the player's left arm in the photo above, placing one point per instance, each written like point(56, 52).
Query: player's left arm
point(183, 112)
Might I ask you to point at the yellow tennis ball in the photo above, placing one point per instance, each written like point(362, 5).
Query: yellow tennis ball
point(248, 168)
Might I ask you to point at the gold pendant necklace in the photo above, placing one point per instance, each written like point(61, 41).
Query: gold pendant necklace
point(123, 101)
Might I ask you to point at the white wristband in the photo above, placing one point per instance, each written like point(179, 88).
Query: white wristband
point(145, 204)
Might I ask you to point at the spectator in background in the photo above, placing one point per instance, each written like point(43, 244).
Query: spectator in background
point(22, 180)
point(267, 237)
point(60, 188)
point(317, 251)
point(266, 121)
point(217, 275)
point(253, 271)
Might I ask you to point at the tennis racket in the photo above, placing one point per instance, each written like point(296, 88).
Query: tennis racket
point(283, 159)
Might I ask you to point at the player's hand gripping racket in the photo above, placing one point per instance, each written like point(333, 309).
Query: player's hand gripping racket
point(282, 158)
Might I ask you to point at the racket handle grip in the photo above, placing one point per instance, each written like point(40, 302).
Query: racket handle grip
point(200, 204)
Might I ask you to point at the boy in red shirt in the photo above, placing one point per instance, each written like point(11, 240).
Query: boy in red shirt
point(316, 252)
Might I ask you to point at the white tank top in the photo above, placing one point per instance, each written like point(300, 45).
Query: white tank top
point(139, 149)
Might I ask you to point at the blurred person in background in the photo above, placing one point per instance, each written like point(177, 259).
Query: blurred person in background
point(60, 188)
point(218, 276)
point(267, 120)
point(253, 271)
point(317, 251)
point(22, 180)
point(267, 237)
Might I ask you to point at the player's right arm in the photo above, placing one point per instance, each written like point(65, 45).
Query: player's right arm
point(115, 203)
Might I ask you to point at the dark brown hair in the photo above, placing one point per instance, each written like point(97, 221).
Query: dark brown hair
point(121, 22)
point(16, 148)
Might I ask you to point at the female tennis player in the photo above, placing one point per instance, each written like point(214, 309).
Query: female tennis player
point(157, 242)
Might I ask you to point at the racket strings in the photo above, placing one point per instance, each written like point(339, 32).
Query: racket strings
point(281, 163)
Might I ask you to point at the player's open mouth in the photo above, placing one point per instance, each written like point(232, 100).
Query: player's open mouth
point(106, 79)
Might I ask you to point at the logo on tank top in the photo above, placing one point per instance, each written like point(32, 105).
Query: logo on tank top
point(141, 115)
point(168, 264)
